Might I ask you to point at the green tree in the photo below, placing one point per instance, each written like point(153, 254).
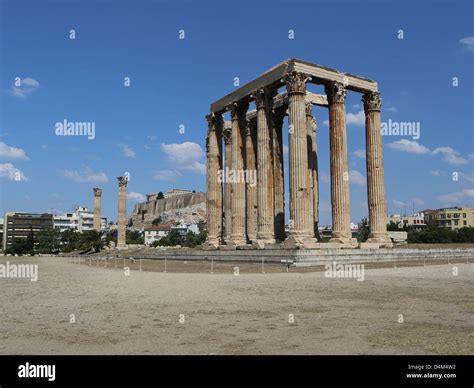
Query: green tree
point(134, 237)
point(69, 240)
point(91, 240)
point(160, 195)
point(20, 246)
point(48, 241)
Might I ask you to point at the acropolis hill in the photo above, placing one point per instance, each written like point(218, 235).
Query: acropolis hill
point(187, 207)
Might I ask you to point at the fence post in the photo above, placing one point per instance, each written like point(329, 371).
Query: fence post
point(140, 265)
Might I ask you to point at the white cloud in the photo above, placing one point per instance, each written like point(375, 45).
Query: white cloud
point(27, 85)
point(197, 167)
point(398, 204)
point(468, 42)
point(127, 151)
point(9, 152)
point(417, 201)
point(326, 123)
point(436, 172)
point(449, 155)
point(356, 119)
point(409, 146)
point(166, 175)
point(136, 197)
point(87, 177)
point(285, 149)
point(185, 156)
point(392, 109)
point(9, 172)
point(360, 153)
point(356, 177)
point(457, 197)
point(467, 177)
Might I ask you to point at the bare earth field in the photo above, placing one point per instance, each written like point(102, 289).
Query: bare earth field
point(222, 313)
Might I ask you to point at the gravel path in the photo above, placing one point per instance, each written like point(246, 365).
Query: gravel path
point(198, 313)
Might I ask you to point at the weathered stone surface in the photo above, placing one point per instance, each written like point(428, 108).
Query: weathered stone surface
point(239, 124)
point(267, 158)
point(97, 208)
point(190, 208)
point(214, 191)
point(375, 170)
point(122, 209)
point(341, 228)
point(398, 238)
point(266, 218)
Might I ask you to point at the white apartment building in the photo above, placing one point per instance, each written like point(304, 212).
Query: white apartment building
point(81, 220)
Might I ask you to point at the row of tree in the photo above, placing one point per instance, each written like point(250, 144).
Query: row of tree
point(52, 241)
point(431, 234)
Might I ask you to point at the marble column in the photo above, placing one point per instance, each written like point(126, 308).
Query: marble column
point(266, 226)
point(97, 208)
point(341, 228)
point(238, 233)
point(214, 180)
point(278, 172)
point(313, 167)
point(301, 228)
point(375, 171)
point(251, 184)
point(227, 186)
point(122, 209)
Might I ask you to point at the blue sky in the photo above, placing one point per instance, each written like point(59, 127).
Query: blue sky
point(173, 81)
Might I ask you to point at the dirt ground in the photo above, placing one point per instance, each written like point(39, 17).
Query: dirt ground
point(253, 313)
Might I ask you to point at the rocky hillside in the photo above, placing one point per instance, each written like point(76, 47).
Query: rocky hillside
point(186, 207)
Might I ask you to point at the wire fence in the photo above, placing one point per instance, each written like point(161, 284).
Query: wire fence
point(212, 266)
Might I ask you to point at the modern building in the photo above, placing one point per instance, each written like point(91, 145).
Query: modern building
point(155, 232)
point(450, 217)
point(81, 220)
point(184, 228)
point(175, 192)
point(19, 225)
point(416, 220)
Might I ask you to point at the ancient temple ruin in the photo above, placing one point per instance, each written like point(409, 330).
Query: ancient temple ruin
point(241, 213)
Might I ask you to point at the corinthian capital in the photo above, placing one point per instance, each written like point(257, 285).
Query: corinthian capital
point(122, 181)
point(97, 192)
point(227, 136)
point(296, 82)
point(214, 121)
point(263, 98)
point(336, 92)
point(238, 110)
point(372, 101)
